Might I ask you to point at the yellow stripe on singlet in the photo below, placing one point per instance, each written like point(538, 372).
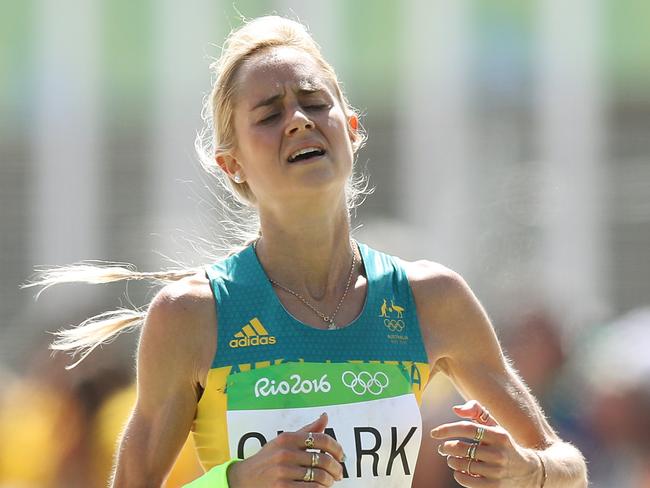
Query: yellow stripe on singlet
point(210, 430)
point(248, 330)
point(259, 328)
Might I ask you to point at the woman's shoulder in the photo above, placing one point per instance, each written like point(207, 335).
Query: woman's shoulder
point(437, 289)
point(431, 276)
point(186, 298)
point(182, 319)
point(429, 280)
point(448, 311)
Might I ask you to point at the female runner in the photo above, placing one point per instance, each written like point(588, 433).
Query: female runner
point(305, 353)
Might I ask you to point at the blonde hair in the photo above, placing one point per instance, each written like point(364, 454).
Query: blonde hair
point(241, 45)
point(217, 136)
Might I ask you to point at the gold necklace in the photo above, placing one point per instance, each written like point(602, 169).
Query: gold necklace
point(329, 320)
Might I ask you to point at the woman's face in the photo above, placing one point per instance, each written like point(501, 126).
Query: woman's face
point(292, 135)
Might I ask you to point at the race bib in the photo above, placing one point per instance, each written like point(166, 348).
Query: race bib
point(372, 412)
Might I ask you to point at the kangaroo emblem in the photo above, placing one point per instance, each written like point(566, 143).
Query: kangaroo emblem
point(384, 308)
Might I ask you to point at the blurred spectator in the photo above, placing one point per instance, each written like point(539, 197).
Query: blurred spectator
point(609, 381)
point(534, 345)
point(41, 425)
point(60, 429)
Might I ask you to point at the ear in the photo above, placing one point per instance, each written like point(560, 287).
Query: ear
point(229, 164)
point(353, 126)
point(353, 122)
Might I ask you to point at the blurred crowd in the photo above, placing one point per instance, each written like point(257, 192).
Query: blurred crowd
point(594, 389)
point(60, 428)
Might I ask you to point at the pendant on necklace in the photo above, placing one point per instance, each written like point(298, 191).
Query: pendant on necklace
point(331, 326)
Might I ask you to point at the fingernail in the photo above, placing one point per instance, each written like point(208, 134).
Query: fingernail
point(435, 432)
point(343, 458)
point(440, 450)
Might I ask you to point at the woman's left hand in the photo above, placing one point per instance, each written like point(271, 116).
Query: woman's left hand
point(496, 459)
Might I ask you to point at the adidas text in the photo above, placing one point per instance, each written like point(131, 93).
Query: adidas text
point(252, 341)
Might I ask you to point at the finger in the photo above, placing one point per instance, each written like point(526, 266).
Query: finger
point(312, 441)
point(460, 449)
point(470, 409)
point(463, 479)
point(475, 411)
point(317, 425)
point(475, 468)
point(468, 430)
point(325, 443)
point(322, 461)
point(321, 477)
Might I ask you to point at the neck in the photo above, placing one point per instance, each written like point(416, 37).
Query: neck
point(307, 249)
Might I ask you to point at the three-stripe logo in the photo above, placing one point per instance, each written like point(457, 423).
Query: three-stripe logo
point(252, 334)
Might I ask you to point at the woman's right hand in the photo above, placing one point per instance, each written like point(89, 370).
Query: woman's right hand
point(285, 461)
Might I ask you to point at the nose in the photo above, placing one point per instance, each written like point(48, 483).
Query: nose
point(299, 122)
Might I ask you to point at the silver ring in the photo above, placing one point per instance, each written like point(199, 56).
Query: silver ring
point(309, 475)
point(309, 441)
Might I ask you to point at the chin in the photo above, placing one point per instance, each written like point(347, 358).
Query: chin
point(323, 179)
point(321, 174)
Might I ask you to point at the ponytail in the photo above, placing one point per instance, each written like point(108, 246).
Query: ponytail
point(103, 328)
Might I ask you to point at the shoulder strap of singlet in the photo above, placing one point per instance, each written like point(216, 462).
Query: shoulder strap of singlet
point(392, 297)
point(248, 308)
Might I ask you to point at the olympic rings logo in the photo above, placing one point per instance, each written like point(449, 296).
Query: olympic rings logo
point(365, 382)
point(394, 325)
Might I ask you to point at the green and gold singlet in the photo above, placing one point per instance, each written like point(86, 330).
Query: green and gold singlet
point(272, 373)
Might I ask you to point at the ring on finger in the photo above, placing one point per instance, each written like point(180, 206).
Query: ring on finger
point(484, 417)
point(469, 468)
point(314, 459)
point(309, 475)
point(309, 441)
point(471, 451)
point(480, 433)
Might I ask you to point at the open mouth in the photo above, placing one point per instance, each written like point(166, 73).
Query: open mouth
point(305, 154)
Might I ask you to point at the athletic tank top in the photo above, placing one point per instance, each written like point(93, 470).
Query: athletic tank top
point(272, 373)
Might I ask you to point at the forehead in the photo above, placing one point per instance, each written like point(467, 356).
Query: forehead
point(275, 70)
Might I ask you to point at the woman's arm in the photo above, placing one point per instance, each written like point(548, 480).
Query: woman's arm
point(461, 343)
point(174, 354)
point(177, 346)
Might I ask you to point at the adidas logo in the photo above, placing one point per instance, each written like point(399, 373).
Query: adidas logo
point(252, 334)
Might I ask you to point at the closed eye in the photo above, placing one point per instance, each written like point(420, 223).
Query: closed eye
point(269, 118)
point(315, 107)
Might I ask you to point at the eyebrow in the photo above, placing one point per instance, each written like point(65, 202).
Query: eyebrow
point(274, 98)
